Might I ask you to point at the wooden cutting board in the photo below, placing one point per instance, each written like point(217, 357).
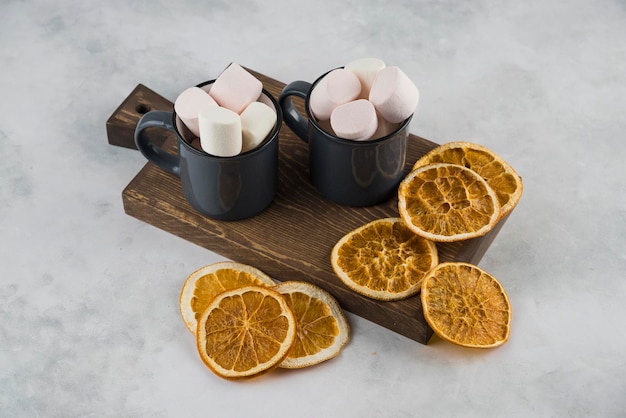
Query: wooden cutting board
point(292, 239)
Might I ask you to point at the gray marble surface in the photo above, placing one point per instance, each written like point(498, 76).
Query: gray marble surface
point(89, 296)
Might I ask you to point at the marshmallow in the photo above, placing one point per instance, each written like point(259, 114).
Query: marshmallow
point(366, 70)
point(184, 131)
point(220, 131)
point(394, 95)
point(354, 120)
point(336, 88)
point(384, 128)
point(257, 120)
point(189, 103)
point(236, 88)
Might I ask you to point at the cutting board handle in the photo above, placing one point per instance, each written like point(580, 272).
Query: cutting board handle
point(123, 121)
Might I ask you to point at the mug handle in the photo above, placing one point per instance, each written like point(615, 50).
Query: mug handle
point(294, 120)
point(157, 155)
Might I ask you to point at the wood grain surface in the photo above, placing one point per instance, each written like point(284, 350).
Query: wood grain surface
point(290, 240)
point(121, 124)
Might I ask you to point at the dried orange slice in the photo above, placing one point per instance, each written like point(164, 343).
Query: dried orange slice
point(383, 259)
point(502, 178)
point(245, 331)
point(322, 328)
point(466, 306)
point(207, 282)
point(447, 202)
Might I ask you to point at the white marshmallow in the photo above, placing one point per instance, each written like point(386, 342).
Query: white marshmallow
point(336, 88)
point(257, 121)
point(220, 131)
point(354, 120)
point(189, 103)
point(366, 70)
point(236, 88)
point(394, 95)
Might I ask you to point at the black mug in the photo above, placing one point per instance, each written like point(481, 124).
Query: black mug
point(223, 188)
point(351, 173)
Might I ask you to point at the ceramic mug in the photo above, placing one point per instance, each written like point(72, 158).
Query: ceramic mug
point(351, 173)
point(223, 188)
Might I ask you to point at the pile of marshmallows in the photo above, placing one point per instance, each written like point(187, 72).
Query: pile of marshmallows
point(228, 118)
point(364, 100)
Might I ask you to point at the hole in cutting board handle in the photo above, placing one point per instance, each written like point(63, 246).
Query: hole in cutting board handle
point(142, 108)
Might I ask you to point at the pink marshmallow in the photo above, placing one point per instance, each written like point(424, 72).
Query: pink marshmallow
point(336, 88)
point(394, 95)
point(354, 120)
point(236, 88)
point(366, 70)
point(384, 128)
point(189, 103)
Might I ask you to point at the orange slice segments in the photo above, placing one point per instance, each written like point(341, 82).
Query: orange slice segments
point(245, 332)
point(447, 202)
point(500, 176)
point(383, 259)
point(466, 306)
point(322, 328)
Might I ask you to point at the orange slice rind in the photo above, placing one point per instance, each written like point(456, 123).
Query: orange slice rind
point(500, 176)
point(204, 284)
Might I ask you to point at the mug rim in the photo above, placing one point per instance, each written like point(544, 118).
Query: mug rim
point(273, 135)
point(346, 141)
